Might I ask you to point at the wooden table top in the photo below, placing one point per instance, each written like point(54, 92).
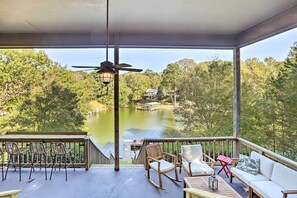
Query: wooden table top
point(201, 182)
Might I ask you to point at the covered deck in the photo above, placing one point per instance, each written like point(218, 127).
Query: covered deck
point(173, 24)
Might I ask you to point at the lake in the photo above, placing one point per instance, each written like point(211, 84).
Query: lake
point(134, 125)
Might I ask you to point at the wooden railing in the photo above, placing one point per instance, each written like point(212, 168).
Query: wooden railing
point(96, 156)
point(246, 147)
point(213, 146)
point(84, 151)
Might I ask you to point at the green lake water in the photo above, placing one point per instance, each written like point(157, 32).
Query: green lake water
point(134, 125)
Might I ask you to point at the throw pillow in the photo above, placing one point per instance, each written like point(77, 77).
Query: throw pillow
point(249, 165)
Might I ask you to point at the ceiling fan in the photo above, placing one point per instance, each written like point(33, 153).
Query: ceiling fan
point(107, 69)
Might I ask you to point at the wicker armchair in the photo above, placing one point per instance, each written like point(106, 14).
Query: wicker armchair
point(156, 161)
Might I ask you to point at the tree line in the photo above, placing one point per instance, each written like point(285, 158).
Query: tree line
point(37, 94)
point(268, 101)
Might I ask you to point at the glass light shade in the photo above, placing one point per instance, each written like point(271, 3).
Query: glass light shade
point(106, 76)
point(213, 183)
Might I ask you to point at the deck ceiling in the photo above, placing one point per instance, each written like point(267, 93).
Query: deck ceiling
point(143, 23)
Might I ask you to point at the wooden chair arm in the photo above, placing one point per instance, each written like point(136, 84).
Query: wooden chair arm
point(165, 153)
point(212, 161)
point(210, 158)
point(234, 161)
point(286, 192)
point(149, 159)
point(171, 155)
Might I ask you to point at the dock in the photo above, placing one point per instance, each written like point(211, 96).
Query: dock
point(130, 149)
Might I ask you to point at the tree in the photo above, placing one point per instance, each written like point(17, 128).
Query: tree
point(171, 77)
point(20, 72)
point(206, 99)
point(26, 76)
point(138, 83)
point(51, 108)
point(155, 78)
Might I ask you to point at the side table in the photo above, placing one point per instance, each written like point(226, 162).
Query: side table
point(224, 162)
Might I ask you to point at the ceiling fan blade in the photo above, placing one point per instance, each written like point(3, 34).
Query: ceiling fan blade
point(84, 66)
point(122, 65)
point(130, 69)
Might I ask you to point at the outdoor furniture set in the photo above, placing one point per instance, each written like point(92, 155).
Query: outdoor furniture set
point(191, 161)
point(272, 180)
point(35, 154)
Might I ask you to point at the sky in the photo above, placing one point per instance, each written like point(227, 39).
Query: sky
point(277, 47)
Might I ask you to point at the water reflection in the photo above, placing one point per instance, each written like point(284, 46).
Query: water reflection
point(134, 124)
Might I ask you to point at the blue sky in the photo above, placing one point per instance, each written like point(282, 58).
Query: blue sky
point(277, 47)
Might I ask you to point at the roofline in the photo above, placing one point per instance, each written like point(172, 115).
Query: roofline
point(90, 40)
point(273, 26)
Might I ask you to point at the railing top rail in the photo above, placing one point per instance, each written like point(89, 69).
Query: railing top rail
point(190, 139)
point(46, 133)
point(268, 153)
point(52, 137)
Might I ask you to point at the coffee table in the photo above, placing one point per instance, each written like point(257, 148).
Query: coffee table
point(201, 182)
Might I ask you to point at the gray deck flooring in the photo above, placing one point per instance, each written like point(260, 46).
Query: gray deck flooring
point(104, 182)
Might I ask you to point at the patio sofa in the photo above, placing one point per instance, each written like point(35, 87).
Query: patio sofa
point(273, 181)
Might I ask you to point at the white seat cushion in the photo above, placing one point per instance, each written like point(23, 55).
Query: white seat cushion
point(266, 164)
point(248, 177)
point(269, 189)
point(192, 152)
point(164, 165)
point(284, 176)
point(198, 168)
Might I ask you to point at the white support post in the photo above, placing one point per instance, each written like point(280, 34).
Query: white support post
point(236, 101)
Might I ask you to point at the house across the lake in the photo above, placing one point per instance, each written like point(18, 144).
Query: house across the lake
point(150, 94)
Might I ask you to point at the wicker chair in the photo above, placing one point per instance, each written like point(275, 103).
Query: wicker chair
point(39, 155)
point(61, 154)
point(15, 154)
point(156, 161)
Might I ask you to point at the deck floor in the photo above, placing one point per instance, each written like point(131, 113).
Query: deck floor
point(102, 182)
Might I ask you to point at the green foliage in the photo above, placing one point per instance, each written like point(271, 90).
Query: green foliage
point(155, 78)
point(29, 77)
point(205, 106)
point(51, 108)
point(37, 94)
point(138, 83)
point(171, 78)
point(20, 71)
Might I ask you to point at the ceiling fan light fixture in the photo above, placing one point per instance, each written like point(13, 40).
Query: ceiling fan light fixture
point(106, 75)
